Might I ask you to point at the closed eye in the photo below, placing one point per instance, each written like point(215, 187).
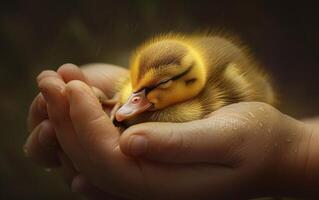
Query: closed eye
point(165, 84)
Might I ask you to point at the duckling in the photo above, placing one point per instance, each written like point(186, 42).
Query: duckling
point(179, 78)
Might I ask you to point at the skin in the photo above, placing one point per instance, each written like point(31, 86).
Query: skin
point(241, 151)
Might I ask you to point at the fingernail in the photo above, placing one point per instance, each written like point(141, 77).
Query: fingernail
point(138, 145)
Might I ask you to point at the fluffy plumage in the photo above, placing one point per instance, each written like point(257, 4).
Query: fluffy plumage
point(188, 77)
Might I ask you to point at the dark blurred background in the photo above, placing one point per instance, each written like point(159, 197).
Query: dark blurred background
point(37, 35)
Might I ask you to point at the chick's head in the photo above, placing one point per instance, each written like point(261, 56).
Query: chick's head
point(163, 73)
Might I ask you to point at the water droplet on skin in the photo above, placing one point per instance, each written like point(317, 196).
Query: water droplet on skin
point(261, 109)
point(244, 125)
point(288, 140)
point(260, 124)
point(251, 114)
point(276, 144)
point(295, 151)
point(268, 130)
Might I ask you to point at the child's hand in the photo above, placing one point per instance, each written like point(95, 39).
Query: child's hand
point(242, 150)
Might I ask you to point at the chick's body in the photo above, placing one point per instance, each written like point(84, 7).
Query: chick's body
point(186, 78)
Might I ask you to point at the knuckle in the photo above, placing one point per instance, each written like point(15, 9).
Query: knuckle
point(65, 66)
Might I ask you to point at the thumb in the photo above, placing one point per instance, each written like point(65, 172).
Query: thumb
point(208, 140)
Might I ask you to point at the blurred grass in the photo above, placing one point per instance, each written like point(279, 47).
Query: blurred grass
point(37, 35)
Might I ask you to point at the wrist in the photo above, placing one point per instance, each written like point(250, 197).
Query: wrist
point(310, 168)
point(298, 173)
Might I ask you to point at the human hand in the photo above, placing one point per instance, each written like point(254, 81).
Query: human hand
point(269, 153)
point(240, 151)
point(42, 145)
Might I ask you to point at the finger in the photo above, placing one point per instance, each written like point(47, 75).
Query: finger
point(105, 76)
point(71, 72)
point(76, 181)
point(46, 74)
point(99, 138)
point(52, 89)
point(38, 109)
point(42, 145)
point(90, 141)
point(90, 121)
point(208, 140)
point(37, 112)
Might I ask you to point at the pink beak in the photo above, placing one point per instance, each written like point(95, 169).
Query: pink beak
point(136, 104)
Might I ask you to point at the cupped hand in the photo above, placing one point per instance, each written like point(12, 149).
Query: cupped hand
point(246, 150)
point(240, 151)
point(42, 145)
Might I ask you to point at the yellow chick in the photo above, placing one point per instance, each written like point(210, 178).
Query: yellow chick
point(179, 78)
